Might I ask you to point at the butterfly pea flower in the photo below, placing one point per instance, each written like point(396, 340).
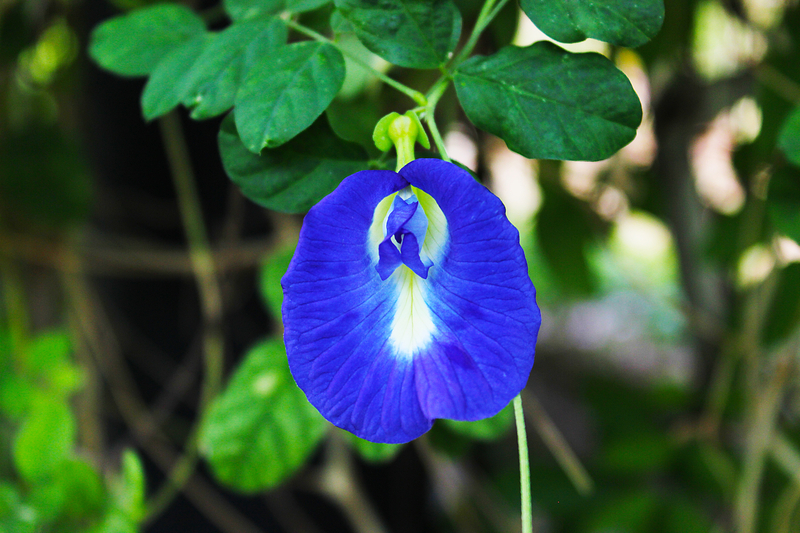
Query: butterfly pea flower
point(408, 299)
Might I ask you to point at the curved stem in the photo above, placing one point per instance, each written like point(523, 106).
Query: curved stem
point(417, 96)
point(433, 97)
point(524, 467)
point(210, 296)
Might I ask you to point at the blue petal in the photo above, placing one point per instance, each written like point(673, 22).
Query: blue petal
point(383, 358)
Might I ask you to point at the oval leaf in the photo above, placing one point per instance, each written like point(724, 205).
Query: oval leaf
point(293, 177)
point(132, 45)
point(215, 76)
point(408, 33)
point(620, 22)
point(286, 91)
point(262, 428)
point(167, 85)
point(547, 103)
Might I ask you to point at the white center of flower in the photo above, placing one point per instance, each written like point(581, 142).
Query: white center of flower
point(412, 326)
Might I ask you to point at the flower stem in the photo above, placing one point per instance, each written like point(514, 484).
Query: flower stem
point(524, 467)
point(417, 96)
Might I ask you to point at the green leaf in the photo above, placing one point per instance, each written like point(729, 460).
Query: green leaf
point(408, 33)
point(74, 491)
point(246, 9)
point(620, 22)
point(373, 452)
point(285, 92)
point(301, 6)
point(490, 428)
point(50, 363)
point(133, 44)
point(129, 490)
point(262, 428)
point(789, 137)
point(272, 270)
point(15, 515)
point(783, 202)
point(212, 82)
point(293, 177)
point(547, 103)
point(45, 439)
point(168, 84)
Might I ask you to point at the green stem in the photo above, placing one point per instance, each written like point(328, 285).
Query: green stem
point(417, 96)
point(210, 296)
point(524, 467)
point(433, 97)
point(488, 12)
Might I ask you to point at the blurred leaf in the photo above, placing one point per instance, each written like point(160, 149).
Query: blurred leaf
point(246, 9)
point(285, 92)
point(49, 359)
point(490, 428)
point(684, 516)
point(295, 176)
point(638, 452)
point(45, 440)
point(129, 489)
point(262, 428)
point(301, 6)
point(16, 395)
point(43, 179)
point(633, 512)
point(783, 202)
point(167, 85)
point(547, 103)
point(212, 82)
point(619, 22)
point(563, 233)
point(408, 33)
point(133, 44)
point(373, 452)
point(72, 492)
point(783, 316)
point(16, 516)
point(789, 137)
point(272, 270)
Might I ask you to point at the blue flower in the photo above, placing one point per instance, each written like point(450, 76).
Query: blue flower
point(408, 299)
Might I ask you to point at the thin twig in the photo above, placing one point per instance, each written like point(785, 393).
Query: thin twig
point(557, 444)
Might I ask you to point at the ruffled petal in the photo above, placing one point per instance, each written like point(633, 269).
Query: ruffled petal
point(383, 358)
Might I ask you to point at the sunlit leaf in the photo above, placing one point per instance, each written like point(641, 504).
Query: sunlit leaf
point(262, 428)
point(215, 76)
point(284, 92)
point(292, 177)
point(45, 440)
point(620, 22)
point(408, 33)
point(133, 44)
point(546, 103)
